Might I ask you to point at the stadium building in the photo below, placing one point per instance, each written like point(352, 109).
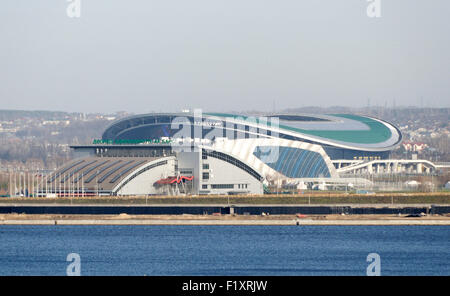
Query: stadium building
point(214, 153)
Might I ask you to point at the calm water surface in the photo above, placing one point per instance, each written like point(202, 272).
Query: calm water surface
point(224, 250)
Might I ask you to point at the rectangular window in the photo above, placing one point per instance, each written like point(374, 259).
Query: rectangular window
point(205, 186)
point(206, 166)
point(205, 176)
point(222, 186)
point(186, 172)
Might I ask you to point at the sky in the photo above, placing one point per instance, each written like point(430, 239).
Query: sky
point(232, 55)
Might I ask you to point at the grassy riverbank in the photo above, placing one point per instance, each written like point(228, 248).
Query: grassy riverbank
point(307, 198)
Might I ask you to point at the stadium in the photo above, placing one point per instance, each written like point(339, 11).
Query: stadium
point(213, 153)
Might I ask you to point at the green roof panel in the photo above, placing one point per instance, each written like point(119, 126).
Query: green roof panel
point(377, 133)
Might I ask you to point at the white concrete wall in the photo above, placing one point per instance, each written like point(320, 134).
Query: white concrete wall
point(143, 183)
point(222, 172)
point(191, 160)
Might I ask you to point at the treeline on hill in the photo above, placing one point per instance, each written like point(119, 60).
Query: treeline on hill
point(77, 132)
point(46, 143)
point(7, 115)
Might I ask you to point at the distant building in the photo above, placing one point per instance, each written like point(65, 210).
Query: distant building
point(414, 146)
point(218, 153)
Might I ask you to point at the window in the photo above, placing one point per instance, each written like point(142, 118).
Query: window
point(206, 166)
point(205, 186)
point(295, 162)
point(222, 186)
point(205, 176)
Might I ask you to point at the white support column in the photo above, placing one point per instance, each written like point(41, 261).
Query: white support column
point(369, 168)
point(419, 168)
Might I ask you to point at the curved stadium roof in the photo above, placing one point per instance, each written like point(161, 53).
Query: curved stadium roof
point(339, 130)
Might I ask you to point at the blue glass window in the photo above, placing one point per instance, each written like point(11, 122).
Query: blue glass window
point(294, 162)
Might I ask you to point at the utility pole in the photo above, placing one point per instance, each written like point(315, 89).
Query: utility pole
point(10, 184)
point(14, 177)
point(55, 177)
point(29, 184)
point(96, 181)
point(32, 183)
point(18, 183)
point(37, 183)
point(68, 186)
point(71, 197)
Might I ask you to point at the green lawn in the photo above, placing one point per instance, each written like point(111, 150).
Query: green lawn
point(417, 198)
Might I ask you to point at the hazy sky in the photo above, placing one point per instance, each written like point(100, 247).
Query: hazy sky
point(167, 55)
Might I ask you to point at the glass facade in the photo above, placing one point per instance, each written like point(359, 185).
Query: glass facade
point(295, 162)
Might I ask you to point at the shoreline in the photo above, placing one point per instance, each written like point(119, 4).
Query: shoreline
point(237, 220)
